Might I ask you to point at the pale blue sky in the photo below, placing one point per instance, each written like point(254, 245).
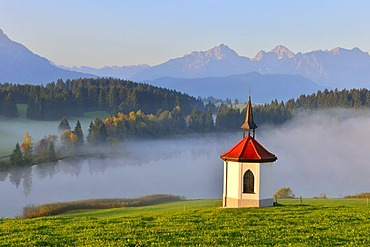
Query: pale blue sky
point(119, 32)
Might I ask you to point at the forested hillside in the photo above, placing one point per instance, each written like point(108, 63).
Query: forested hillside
point(74, 97)
point(230, 118)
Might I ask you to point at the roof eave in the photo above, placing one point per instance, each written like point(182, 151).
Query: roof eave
point(264, 160)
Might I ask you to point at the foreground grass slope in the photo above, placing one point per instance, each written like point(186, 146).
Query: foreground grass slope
point(199, 223)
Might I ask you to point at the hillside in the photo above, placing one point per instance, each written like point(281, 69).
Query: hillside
point(341, 223)
point(74, 97)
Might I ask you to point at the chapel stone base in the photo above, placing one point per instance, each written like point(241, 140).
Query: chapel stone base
point(247, 203)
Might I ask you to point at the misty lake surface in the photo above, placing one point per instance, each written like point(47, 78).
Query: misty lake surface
point(188, 167)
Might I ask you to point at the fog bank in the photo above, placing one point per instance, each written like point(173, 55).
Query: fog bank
point(322, 152)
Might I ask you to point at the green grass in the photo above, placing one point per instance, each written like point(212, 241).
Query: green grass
point(22, 110)
point(318, 222)
point(331, 202)
point(93, 114)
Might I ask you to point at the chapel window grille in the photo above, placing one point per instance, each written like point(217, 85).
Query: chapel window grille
point(248, 182)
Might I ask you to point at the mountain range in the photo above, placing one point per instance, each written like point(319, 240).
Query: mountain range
point(218, 72)
point(338, 67)
point(19, 65)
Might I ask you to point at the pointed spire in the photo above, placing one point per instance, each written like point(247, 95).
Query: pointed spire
point(249, 123)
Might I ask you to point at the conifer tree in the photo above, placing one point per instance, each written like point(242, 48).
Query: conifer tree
point(64, 125)
point(16, 157)
point(79, 133)
point(209, 124)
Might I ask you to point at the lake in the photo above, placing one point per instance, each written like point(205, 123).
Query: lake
point(318, 153)
point(189, 167)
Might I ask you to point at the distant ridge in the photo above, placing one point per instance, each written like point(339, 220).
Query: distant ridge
point(265, 87)
point(122, 72)
point(19, 65)
point(338, 67)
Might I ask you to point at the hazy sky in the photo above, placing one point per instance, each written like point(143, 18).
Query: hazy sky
point(120, 32)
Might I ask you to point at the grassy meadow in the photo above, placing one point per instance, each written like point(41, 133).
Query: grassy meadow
point(316, 222)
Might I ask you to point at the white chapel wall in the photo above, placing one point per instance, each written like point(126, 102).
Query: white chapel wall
point(233, 180)
point(266, 189)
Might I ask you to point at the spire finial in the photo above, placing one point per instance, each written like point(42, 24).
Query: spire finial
point(249, 123)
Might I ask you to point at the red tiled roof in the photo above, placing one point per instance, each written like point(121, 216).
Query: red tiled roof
point(248, 150)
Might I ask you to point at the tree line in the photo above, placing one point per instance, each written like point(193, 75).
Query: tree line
point(74, 97)
point(227, 117)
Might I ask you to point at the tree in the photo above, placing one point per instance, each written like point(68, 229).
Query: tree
point(9, 107)
point(73, 138)
point(27, 148)
point(41, 149)
point(196, 120)
point(51, 152)
point(45, 149)
point(91, 133)
point(79, 133)
point(64, 137)
point(16, 157)
point(229, 118)
point(97, 132)
point(103, 133)
point(64, 125)
point(209, 124)
point(284, 192)
point(179, 123)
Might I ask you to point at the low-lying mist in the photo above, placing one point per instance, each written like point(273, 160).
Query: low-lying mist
point(323, 152)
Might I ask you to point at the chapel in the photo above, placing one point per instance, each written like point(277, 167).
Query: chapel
point(248, 177)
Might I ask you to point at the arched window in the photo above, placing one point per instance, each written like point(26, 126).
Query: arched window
point(248, 182)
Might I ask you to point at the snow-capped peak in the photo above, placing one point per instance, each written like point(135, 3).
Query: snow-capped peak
point(282, 51)
point(220, 52)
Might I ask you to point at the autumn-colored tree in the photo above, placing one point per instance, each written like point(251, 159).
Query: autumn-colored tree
point(64, 137)
point(69, 139)
point(45, 149)
point(73, 138)
point(41, 149)
point(132, 116)
point(27, 148)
